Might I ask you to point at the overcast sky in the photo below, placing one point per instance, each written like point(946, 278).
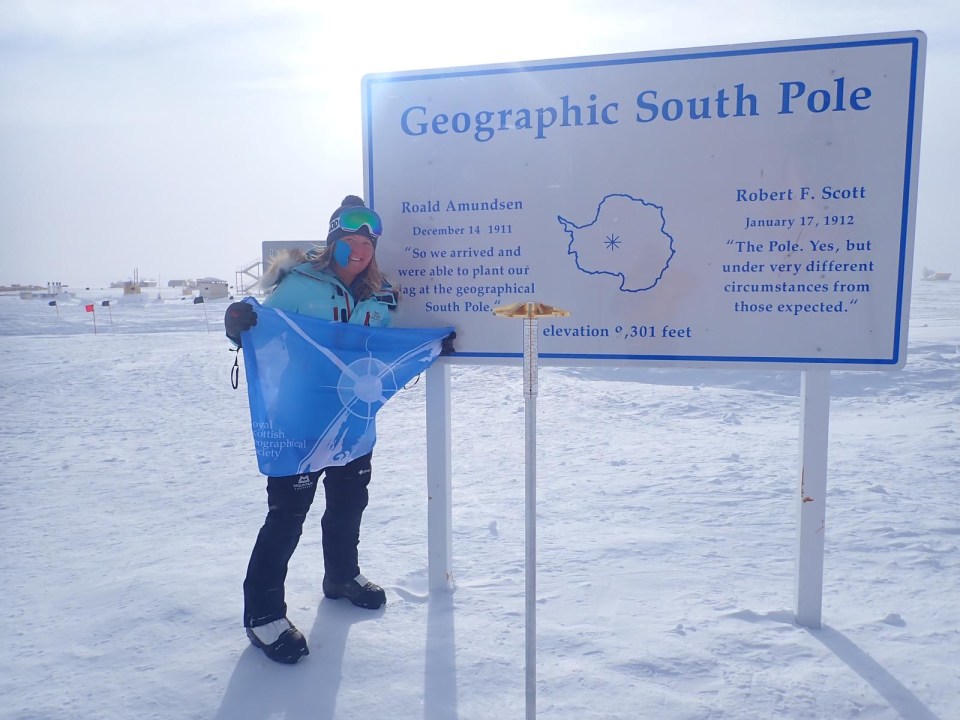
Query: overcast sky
point(176, 136)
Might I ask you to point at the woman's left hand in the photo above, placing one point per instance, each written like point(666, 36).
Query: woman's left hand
point(446, 345)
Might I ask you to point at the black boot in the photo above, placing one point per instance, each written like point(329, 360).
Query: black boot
point(280, 641)
point(360, 591)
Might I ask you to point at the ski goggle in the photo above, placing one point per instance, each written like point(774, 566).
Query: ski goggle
point(354, 218)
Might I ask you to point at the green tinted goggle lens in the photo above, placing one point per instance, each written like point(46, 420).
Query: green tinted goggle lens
point(352, 219)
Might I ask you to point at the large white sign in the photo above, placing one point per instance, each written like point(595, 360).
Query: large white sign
point(741, 204)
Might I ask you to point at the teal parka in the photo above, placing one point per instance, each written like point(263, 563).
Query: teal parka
point(321, 294)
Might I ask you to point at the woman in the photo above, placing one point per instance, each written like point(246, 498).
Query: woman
point(341, 283)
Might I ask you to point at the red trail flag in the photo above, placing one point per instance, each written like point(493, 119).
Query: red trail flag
point(90, 309)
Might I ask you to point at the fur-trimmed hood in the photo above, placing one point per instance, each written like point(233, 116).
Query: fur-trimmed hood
point(283, 262)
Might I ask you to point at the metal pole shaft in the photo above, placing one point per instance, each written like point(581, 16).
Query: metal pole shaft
point(530, 504)
point(530, 311)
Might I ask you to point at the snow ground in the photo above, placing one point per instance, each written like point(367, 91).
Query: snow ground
point(666, 528)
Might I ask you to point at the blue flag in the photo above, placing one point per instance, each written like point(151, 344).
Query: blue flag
point(315, 386)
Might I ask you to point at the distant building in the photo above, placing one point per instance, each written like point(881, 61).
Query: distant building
point(18, 288)
point(212, 288)
point(55, 291)
point(929, 274)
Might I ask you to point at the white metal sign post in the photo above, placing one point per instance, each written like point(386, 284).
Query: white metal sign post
point(812, 498)
point(439, 501)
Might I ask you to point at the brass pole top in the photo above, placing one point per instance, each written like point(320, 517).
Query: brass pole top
point(530, 310)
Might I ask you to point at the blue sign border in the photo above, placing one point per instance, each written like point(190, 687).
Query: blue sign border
point(896, 359)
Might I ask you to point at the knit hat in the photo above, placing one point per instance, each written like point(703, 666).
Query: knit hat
point(370, 228)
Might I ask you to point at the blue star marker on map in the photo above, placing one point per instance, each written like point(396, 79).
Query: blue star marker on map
point(633, 227)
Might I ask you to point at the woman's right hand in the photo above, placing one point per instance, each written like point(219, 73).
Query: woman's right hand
point(238, 317)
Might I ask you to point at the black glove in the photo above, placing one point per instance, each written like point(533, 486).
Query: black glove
point(446, 345)
point(238, 317)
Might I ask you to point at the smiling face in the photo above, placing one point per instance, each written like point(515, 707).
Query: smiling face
point(358, 259)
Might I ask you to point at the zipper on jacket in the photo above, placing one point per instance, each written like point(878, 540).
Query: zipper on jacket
point(344, 314)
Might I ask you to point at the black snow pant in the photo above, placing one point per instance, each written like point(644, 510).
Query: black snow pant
point(288, 500)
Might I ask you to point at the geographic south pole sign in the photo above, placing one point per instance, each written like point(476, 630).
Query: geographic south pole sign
point(748, 204)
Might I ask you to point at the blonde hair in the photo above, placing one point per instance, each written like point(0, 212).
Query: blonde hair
point(370, 281)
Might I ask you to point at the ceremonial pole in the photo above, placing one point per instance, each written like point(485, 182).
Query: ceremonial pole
point(530, 311)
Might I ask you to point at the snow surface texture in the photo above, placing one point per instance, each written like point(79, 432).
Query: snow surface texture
point(666, 529)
